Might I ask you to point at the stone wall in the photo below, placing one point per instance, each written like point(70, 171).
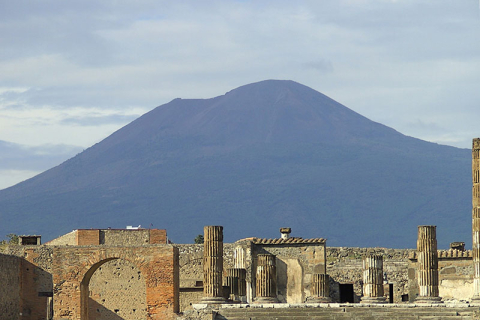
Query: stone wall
point(34, 272)
point(344, 265)
point(10, 287)
point(73, 268)
point(191, 262)
point(455, 275)
point(296, 264)
point(114, 237)
point(117, 290)
point(69, 239)
point(111, 237)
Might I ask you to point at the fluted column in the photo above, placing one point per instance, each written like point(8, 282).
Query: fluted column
point(239, 258)
point(213, 264)
point(427, 265)
point(321, 288)
point(476, 218)
point(373, 279)
point(236, 282)
point(266, 279)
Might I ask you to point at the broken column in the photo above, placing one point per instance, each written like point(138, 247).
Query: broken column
point(213, 264)
point(236, 282)
point(427, 265)
point(321, 288)
point(266, 279)
point(373, 279)
point(476, 218)
point(239, 263)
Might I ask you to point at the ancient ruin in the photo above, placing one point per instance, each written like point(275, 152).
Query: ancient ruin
point(266, 279)
point(213, 264)
point(373, 279)
point(476, 217)
point(136, 273)
point(427, 265)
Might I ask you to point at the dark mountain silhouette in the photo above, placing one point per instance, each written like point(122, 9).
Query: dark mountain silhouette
point(263, 156)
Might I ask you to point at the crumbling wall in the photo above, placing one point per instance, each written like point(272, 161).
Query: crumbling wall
point(344, 265)
point(117, 290)
point(35, 280)
point(191, 271)
point(191, 262)
point(455, 275)
point(69, 239)
point(74, 266)
point(117, 237)
point(296, 263)
point(10, 287)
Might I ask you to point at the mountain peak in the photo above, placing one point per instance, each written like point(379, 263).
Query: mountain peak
point(262, 156)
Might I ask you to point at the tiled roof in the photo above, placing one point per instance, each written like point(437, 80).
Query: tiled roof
point(292, 240)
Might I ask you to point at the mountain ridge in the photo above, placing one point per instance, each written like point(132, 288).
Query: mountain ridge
point(262, 156)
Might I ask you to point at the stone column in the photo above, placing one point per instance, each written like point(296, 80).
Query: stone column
point(373, 279)
point(427, 265)
point(476, 218)
point(239, 263)
point(239, 258)
point(236, 282)
point(212, 264)
point(266, 279)
point(321, 288)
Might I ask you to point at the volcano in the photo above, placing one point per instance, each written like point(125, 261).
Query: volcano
point(263, 156)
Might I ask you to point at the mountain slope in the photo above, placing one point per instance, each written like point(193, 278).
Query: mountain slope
point(262, 156)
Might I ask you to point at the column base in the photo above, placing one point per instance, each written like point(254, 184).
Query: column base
point(261, 300)
point(213, 300)
point(428, 300)
point(475, 300)
point(320, 300)
point(373, 300)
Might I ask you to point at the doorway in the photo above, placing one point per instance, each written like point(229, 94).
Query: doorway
point(346, 292)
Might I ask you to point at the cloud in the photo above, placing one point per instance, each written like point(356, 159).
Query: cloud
point(392, 61)
point(321, 65)
point(38, 158)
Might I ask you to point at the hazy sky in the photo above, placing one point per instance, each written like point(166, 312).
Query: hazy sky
point(73, 72)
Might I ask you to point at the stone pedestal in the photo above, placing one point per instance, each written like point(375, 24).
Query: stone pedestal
point(476, 218)
point(427, 266)
point(213, 264)
point(373, 279)
point(266, 279)
point(321, 288)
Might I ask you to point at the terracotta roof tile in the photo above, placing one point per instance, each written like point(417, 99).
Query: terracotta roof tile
point(292, 240)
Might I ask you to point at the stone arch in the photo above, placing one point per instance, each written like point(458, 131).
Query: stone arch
point(116, 269)
point(74, 266)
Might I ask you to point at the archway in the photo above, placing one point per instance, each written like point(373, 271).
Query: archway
point(73, 268)
point(114, 289)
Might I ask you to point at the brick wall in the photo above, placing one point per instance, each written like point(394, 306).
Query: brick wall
point(158, 236)
point(88, 237)
point(158, 264)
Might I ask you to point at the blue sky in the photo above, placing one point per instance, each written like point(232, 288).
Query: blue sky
point(73, 72)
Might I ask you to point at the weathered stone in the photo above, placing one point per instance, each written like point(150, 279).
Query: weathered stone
point(427, 265)
point(213, 264)
point(476, 218)
point(266, 279)
point(373, 279)
point(321, 288)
